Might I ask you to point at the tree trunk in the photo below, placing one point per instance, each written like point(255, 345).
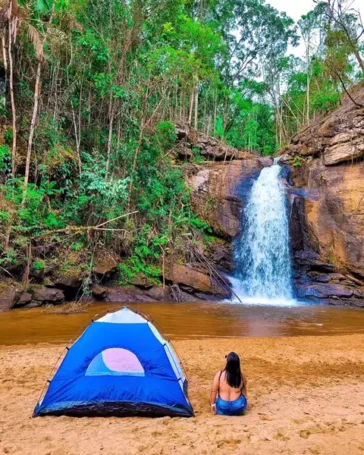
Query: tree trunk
point(32, 129)
point(109, 139)
point(359, 59)
point(12, 100)
point(196, 108)
point(208, 129)
point(191, 108)
point(77, 138)
point(5, 58)
point(308, 99)
point(77, 128)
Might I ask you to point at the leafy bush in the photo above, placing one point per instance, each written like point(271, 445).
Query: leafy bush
point(5, 159)
point(166, 135)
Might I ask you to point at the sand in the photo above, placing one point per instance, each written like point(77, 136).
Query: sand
point(306, 396)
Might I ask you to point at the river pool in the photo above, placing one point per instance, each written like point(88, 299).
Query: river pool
point(187, 321)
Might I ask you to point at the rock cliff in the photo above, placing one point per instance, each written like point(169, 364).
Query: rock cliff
point(327, 216)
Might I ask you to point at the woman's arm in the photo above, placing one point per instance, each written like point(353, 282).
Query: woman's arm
point(214, 391)
point(244, 389)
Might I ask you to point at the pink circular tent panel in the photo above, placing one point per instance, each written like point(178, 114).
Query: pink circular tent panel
point(115, 361)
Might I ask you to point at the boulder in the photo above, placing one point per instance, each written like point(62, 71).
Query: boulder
point(343, 152)
point(127, 294)
point(47, 295)
point(69, 281)
point(159, 293)
point(325, 291)
point(140, 281)
point(99, 292)
point(24, 299)
point(105, 262)
point(9, 296)
point(209, 147)
point(193, 279)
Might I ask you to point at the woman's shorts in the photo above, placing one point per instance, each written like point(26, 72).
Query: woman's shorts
point(231, 408)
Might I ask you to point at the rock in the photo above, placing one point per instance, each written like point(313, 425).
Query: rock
point(319, 277)
point(359, 293)
point(209, 147)
point(183, 150)
point(159, 293)
point(24, 299)
point(68, 282)
point(120, 294)
point(33, 304)
point(218, 192)
point(99, 292)
point(105, 262)
point(265, 161)
point(140, 281)
point(343, 152)
point(220, 254)
point(9, 296)
point(327, 224)
point(47, 295)
point(194, 279)
point(338, 137)
point(324, 291)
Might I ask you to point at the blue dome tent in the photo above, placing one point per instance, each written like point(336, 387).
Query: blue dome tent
point(120, 366)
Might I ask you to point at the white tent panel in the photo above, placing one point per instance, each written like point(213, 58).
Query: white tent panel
point(123, 316)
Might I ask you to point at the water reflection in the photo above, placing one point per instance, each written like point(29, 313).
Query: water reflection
point(187, 320)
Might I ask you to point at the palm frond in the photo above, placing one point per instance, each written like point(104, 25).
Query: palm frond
point(37, 40)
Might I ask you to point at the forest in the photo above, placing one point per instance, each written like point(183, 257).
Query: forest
point(91, 91)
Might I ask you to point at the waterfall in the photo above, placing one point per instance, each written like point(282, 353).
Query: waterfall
point(262, 252)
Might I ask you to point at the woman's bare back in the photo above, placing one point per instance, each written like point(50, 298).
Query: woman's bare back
point(226, 392)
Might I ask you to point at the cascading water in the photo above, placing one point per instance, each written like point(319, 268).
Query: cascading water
point(262, 252)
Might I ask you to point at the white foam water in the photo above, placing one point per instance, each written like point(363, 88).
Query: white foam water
point(262, 254)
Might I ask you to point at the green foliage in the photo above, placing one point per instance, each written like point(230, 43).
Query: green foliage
point(5, 159)
point(200, 225)
point(197, 157)
point(166, 136)
point(298, 161)
point(4, 216)
point(219, 128)
point(10, 258)
point(119, 76)
point(38, 265)
point(77, 246)
point(135, 267)
point(8, 136)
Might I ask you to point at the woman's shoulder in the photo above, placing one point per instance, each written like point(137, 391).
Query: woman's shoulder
point(219, 374)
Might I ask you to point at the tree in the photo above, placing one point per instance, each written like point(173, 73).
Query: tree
point(312, 27)
point(12, 19)
point(344, 17)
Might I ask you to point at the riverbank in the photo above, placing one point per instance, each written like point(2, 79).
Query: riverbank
point(306, 395)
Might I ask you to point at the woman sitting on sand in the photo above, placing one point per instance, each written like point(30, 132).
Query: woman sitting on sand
point(228, 394)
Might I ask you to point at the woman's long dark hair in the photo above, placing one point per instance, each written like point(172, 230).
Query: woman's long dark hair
point(232, 370)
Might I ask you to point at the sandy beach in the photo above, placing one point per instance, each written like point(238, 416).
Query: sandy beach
point(306, 396)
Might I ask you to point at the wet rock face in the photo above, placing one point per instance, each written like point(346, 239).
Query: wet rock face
point(327, 216)
point(218, 192)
